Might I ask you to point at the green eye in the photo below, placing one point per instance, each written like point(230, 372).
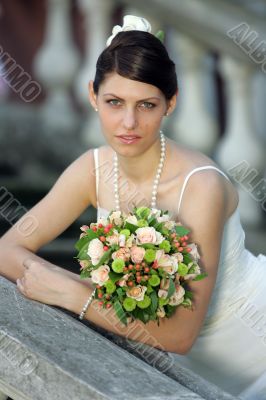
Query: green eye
point(148, 105)
point(113, 102)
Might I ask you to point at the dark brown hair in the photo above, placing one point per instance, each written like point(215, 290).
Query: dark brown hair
point(139, 56)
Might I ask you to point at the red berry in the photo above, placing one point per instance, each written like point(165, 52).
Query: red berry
point(110, 226)
point(102, 238)
point(130, 283)
point(173, 235)
point(108, 305)
point(100, 303)
point(125, 269)
point(139, 279)
point(100, 295)
point(143, 263)
point(94, 228)
point(105, 248)
point(188, 249)
point(180, 248)
point(100, 225)
point(147, 269)
point(106, 230)
point(137, 267)
point(98, 286)
point(177, 244)
point(131, 267)
point(137, 273)
point(184, 244)
point(155, 264)
point(108, 297)
point(186, 237)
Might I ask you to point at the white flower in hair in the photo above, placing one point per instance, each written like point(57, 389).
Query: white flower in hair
point(130, 23)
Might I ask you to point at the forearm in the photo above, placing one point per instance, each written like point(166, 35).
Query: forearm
point(11, 262)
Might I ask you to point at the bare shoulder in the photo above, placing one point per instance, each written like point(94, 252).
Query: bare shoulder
point(206, 183)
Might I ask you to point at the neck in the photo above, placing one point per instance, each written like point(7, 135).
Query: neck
point(142, 168)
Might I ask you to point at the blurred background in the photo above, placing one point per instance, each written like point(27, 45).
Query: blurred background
point(48, 51)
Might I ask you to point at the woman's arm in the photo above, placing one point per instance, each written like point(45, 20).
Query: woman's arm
point(178, 333)
point(67, 199)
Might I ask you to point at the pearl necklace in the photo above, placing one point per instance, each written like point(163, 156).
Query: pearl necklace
point(156, 179)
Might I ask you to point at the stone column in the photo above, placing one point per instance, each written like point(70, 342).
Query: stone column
point(97, 29)
point(241, 152)
point(55, 65)
point(193, 125)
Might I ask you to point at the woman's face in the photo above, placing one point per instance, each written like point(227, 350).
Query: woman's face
point(130, 113)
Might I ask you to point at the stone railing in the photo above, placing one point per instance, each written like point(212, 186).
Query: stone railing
point(46, 354)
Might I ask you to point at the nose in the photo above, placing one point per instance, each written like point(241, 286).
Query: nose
point(130, 119)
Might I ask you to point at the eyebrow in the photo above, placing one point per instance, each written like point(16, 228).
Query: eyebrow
point(148, 98)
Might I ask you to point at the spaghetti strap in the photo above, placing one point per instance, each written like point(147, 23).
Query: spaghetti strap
point(191, 173)
point(96, 166)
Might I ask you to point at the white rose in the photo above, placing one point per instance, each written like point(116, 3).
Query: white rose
point(116, 217)
point(162, 293)
point(160, 312)
point(95, 251)
point(132, 219)
point(194, 251)
point(168, 263)
point(177, 297)
point(100, 275)
point(130, 23)
point(195, 271)
point(148, 235)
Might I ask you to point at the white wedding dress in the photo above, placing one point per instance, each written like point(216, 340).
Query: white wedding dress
point(230, 350)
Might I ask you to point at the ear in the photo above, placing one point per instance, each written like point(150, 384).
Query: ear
point(171, 104)
point(92, 95)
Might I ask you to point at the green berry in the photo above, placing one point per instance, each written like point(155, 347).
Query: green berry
point(129, 304)
point(154, 280)
point(142, 223)
point(118, 265)
point(145, 302)
point(110, 287)
point(165, 245)
point(150, 255)
point(163, 302)
point(182, 269)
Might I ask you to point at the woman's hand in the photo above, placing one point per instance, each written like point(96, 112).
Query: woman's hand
point(47, 283)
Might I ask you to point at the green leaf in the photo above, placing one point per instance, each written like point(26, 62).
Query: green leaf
point(160, 35)
point(154, 302)
point(187, 258)
point(120, 312)
point(181, 230)
point(114, 277)
point(200, 276)
point(84, 274)
point(171, 289)
point(104, 258)
point(189, 294)
point(131, 227)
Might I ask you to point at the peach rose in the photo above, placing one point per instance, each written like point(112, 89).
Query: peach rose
point(168, 263)
point(100, 275)
point(124, 280)
point(179, 257)
point(95, 251)
point(164, 284)
point(123, 253)
point(148, 235)
point(137, 254)
point(137, 292)
point(177, 297)
point(113, 239)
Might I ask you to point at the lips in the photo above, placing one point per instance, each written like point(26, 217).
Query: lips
point(128, 139)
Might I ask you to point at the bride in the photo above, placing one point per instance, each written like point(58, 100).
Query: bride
point(135, 87)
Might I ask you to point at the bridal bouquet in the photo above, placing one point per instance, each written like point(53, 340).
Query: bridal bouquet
point(139, 263)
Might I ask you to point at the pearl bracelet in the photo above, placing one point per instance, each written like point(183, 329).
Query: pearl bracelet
point(86, 305)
